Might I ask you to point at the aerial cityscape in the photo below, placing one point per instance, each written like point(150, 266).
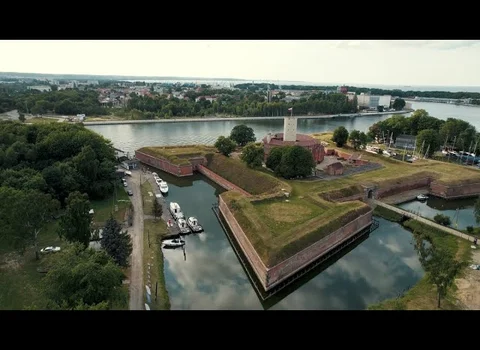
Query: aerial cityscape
point(262, 175)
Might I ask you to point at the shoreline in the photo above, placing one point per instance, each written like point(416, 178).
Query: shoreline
point(216, 119)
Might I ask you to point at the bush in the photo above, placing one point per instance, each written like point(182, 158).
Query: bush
point(442, 219)
point(470, 229)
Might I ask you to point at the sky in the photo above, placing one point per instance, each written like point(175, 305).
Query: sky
point(392, 62)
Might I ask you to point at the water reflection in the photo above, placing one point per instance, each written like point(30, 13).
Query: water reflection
point(210, 276)
point(433, 206)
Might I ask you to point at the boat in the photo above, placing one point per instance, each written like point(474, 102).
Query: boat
point(173, 243)
point(163, 187)
point(192, 222)
point(176, 211)
point(182, 225)
point(422, 197)
point(475, 267)
point(154, 174)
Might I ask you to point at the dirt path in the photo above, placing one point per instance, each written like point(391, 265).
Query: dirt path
point(136, 232)
point(468, 287)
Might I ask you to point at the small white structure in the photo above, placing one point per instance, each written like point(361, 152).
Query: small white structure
point(290, 129)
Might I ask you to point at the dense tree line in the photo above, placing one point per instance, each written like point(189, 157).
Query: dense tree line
point(67, 102)
point(358, 90)
point(455, 133)
point(56, 159)
point(237, 103)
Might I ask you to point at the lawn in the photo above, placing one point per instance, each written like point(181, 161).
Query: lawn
point(146, 187)
point(423, 295)
point(19, 277)
point(103, 208)
point(178, 155)
point(253, 181)
point(153, 232)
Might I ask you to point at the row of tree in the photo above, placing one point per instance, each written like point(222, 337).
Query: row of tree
point(63, 102)
point(430, 131)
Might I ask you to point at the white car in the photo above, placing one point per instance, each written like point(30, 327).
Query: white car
point(50, 250)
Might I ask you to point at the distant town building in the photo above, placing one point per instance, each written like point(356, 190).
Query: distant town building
point(342, 89)
point(350, 95)
point(208, 98)
point(42, 88)
point(373, 101)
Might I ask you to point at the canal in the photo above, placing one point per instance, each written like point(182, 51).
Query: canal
point(208, 275)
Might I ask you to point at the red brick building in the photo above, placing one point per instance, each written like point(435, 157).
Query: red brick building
point(276, 140)
point(334, 169)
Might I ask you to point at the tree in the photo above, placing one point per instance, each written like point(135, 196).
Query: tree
point(430, 140)
point(82, 278)
point(274, 158)
point(225, 145)
point(357, 138)
point(439, 264)
point(23, 215)
point(296, 162)
point(476, 210)
point(252, 155)
point(75, 224)
point(398, 104)
point(380, 108)
point(21, 117)
point(117, 243)
point(442, 219)
point(340, 136)
point(157, 209)
point(242, 134)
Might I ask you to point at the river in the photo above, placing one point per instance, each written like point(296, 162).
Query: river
point(209, 275)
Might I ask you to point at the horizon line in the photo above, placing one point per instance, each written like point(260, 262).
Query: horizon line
point(156, 77)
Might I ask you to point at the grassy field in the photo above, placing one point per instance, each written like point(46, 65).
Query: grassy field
point(20, 280)
point(153, 232)
point(178, 155)
point(387, 214)
point(103, 209)
point(423, 295)
point(253, 181)
point(146, 187)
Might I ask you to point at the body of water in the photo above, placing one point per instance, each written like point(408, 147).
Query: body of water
point(208, 275)
point(460, 211)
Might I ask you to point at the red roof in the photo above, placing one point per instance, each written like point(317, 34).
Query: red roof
point(302, 140)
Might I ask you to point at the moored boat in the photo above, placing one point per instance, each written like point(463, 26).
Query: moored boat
point(176, 211)
point(192, 222)
point(163, 187)
point(173, 243)
point(182, 225)
point(422, 197)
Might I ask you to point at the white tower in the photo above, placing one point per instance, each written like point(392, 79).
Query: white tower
point(290, 128)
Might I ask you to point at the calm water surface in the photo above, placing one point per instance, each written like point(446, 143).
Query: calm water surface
point(208, 274)
point(434, 206)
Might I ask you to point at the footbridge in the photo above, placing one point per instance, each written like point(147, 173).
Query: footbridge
point(431, 223)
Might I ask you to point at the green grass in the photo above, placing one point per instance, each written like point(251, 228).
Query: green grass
point(235, 171)
point(387, 214)
point(103, 208)
point(147, 200)
point(178, 155)
point(153, 232)
point(423, 295)
point(20, 280)
point(275, 241)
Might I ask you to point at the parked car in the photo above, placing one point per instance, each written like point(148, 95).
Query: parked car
point(50, 250)
point(130, 192)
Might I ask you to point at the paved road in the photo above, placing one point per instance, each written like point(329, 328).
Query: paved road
point(425, 221)
point(136, 232)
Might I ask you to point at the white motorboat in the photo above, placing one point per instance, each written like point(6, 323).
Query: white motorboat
point(173, 243)
point(422, 197)
point(176, 211)
point(192, 222)
point(182, 225)
point(163, 187)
